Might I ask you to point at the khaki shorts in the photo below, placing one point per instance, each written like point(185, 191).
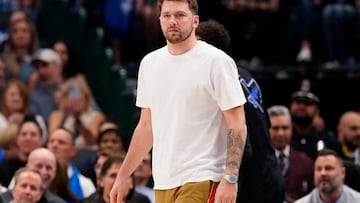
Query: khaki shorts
point(200, 192)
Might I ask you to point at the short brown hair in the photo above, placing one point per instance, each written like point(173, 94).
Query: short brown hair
point(193, 5)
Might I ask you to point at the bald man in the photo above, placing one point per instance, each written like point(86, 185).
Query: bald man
point(348, 131)
point(44, 161)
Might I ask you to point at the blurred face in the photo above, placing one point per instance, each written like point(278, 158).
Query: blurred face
point(27, 188)
point(21, 36)
point(112, 142)
point(329, 174)
point(13, 99)
point(61, 49)
point(45, 164)
point(60, 143)
point(280, 131)
point(349, 130)
point(303, 112)
point(144, 169)
point(29, 138)
point(177, 21)
point(107, 181)
point(47, 71)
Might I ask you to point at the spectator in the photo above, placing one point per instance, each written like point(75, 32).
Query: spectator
point(28, 187)
point(143, 178)
point(296, 167)
point(303, 108)
point(338, 23)
point(298, 32)
point(76, 114)
point(103, 155)
point(29, 137)
point(43, 98)
point(109, 140)
point(68, 68)
point(16, 105)
point(329, 174)
point(43, 161)
point(61, 143)
point(348, 133)
point(107, 180)
point(22, 43)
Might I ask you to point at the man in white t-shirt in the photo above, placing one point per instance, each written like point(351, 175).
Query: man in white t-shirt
point(192, 115)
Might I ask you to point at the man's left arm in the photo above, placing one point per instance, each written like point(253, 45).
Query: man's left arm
point(236, 139)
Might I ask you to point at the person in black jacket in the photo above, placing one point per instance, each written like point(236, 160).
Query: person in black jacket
point(259, 176)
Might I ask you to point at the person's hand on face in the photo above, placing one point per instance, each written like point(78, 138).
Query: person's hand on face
point(16, 118)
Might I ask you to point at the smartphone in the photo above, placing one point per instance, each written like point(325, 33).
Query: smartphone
point(74, 91)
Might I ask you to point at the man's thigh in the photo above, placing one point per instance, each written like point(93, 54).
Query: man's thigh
point(199, 192)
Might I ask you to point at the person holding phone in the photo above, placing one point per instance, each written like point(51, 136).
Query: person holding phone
point(76, 113)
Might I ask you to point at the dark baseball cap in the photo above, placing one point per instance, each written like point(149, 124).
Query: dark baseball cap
point(306, 97)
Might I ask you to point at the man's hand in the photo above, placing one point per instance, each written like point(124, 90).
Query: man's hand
point(226, 192)
point(120, 189)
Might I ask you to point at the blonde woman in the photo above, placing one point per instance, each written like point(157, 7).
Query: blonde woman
point(22, 43)
point(77, 114)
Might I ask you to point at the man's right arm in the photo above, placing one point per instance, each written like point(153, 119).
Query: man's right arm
point(141, 143)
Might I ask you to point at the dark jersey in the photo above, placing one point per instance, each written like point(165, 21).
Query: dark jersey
point(259, 177)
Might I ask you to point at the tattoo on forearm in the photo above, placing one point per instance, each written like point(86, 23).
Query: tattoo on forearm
point(235, 148)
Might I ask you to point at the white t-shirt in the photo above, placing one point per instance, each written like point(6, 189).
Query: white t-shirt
point(187, 94)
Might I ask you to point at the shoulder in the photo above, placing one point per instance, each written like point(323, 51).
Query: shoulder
point(351, 194)
point(210, 50)
point(6, 196)
point(158, 53)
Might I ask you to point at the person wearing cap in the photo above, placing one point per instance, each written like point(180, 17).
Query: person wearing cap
point(303, 108)
point(48, 72)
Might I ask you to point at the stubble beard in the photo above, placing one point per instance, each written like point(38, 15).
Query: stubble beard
point(332, 186)
point(177, 38)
